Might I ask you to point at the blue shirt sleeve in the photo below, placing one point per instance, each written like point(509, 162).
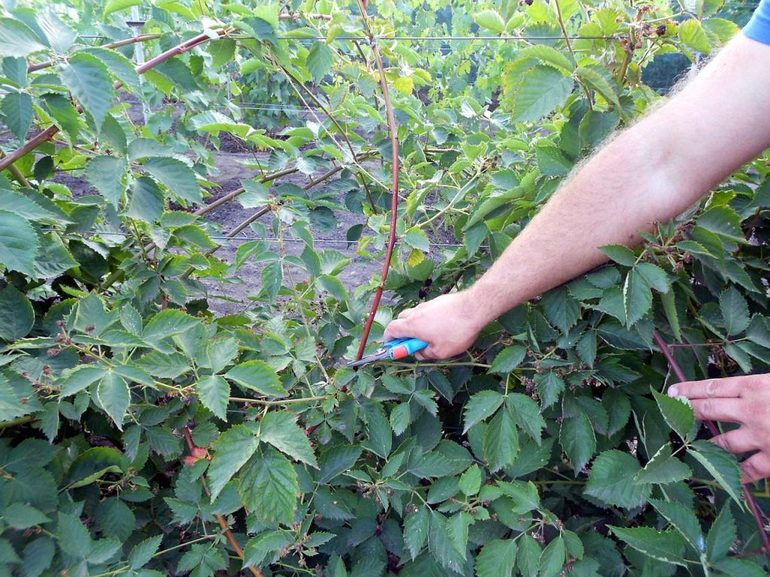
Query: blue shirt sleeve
point(758, 27)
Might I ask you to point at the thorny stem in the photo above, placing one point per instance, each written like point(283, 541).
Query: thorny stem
point(393, 129)
point(220, 519)
point(752, 502)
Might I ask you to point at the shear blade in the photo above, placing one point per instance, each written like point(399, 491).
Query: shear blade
point(378, 356)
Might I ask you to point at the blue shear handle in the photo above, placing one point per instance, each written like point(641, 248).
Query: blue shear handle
point(401, 348)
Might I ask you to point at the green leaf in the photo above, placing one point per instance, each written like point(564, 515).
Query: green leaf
point(416, 527)
point(611, 479)
point(526, 414)
point(538, 92)
point(442, 546)
point(663, 468)
point(16, 314)
point(214, 394)
point(666, 546)
point(669, 307)
point(550, 386)
point(17, 109)
point(16, 39)
point(692, 34)
point(547, 55)
point(637, 297)
point(416, 238)
point(280, 429)
point(257, 376)
point(561, 310)
point(470, 480)
point(320, 60)
point(74, 380)
point(578, 439)
point(74, 538)
point(722, 534)
point(203, 560)
point(107, 174)
point(168, 323)
point(21, 516)
point(655, 277)
point(89, 81)
point(678, 414)
point(620, 254)
point(144, 551)
point(501, 441)
point(114, 397)
point(92, 464)
point(524, 495)
point(733, 567)
point(480, 406)
point(18, 243)
point(683, 520)
point(260, 547)
point(735, 311)
point(722, 465)
point(508, 359)
point(491, 20)
point(553, 557)
point(231, 451)
point(600, 80)
point(146, 202)
point(176, 176)
point(496, 559)
point(270, 487)
point(529, 555)
point(117, 5)
point(119, 66)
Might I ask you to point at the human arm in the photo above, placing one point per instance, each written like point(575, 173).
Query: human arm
point(649, 173)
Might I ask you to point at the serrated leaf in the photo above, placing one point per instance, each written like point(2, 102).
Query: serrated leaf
point(553, 557)
point(107, 175)
point(319, 60)
point(692, 34)
point(683, 520)
point(143, 551)
point(637, 297)
point(578, 439)
point(491, 20)
point(526, 414)
point(735, 311)
point(528, 558)
point(21, 516)
point(538, 92)
point(666, 546)
point(119, 66)
point(663, 468)
point(231, 451)
point(611, 479)
point(114, 397)
point(214, 393)
point(280, 429)
point(722, 465)
point(480, 406)
point(16, 314)
point(722, 534)
point(501, 441)
point(548, 55)
point(17, 110)
point(17, 39)
point(257, 376)
point(416, 238)
point(620, 254)
point(496, 559)
point(260, 547)
point(416, 527)
point(550, 386)
point(88, 79)
point(270, 487)
point(508, 359)
point(18, 243)
point(176, 176)
point(561, 310)
point(74, 538)
point(74, 380)
point(678, 414)
point(655, 277)
point(441, 544)
point(168, 323)
point(470, 480)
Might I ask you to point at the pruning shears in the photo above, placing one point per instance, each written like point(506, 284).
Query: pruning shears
point(392, 350)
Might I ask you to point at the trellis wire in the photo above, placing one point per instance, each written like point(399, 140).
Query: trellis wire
point(401, 38)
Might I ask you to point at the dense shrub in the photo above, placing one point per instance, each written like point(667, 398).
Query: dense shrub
point(144, 432)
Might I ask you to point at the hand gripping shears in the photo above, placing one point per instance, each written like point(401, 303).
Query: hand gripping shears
point(392, 350)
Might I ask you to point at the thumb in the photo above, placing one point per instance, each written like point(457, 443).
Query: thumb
point(396, 329)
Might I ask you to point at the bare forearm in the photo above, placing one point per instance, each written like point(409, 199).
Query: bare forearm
point(649, 173)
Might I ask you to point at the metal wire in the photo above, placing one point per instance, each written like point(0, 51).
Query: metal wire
point(246, 238)
point(502, 38)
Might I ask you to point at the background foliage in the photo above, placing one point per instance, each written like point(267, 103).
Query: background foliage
point(137, 423)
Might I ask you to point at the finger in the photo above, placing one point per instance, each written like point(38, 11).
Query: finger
point(404, 314)
point(709, 388)
point(395, 329)
point(737, 441)
point(730, 410)
point(756, 467)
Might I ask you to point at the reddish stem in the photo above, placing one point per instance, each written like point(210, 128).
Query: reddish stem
point(116, 44)
point(393, 129)
point(755, 511)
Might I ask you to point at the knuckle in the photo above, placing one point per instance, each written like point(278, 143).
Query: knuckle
point(751, 470)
